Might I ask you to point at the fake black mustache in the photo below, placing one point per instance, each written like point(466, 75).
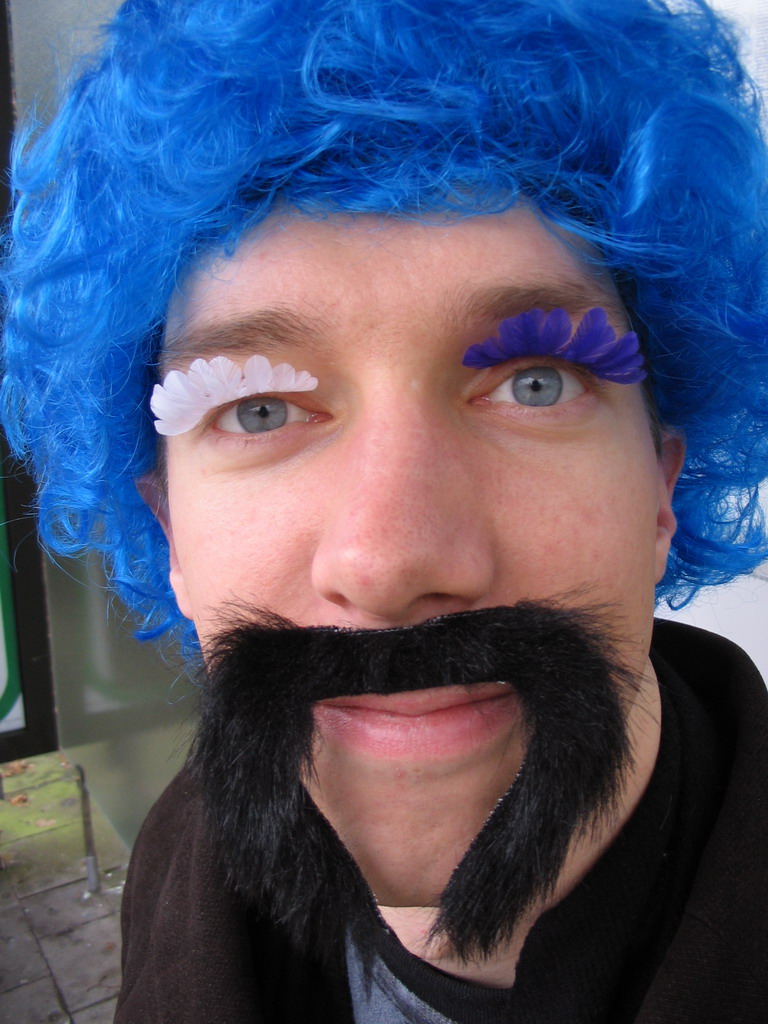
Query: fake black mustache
point(488, 645)
point(257, 732)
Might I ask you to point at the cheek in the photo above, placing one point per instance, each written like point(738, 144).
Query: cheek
point(591, 530)
point(237, 545)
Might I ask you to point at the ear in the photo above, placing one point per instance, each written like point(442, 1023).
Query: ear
point(670, 464)
point(154, 494)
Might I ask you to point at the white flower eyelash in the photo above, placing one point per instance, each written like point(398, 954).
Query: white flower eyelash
point(184, 397)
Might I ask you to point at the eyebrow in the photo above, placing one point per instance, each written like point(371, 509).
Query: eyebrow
point(574, 296)
point(265, 331)
point(269, 331)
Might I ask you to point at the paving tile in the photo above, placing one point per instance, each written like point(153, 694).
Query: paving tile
point(102, 1013)
point(40, 795)
point(57, 857)
point(19, 776)
point(36, 1003)
point(48, 920)
point(42, 862)
point(8, 897)
point(67, 906)
point(40, 809)
point(85, 962)
point(20, 958)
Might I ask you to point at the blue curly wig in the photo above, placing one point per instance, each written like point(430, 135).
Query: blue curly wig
point(629, 122)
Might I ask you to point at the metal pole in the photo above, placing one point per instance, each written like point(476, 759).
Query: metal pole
point(91, 861)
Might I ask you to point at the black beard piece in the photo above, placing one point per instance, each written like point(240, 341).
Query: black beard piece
point(255, 741)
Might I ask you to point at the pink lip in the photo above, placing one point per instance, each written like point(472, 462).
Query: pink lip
point(422, 724)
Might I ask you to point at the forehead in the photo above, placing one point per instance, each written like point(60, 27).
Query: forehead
point(301, 282)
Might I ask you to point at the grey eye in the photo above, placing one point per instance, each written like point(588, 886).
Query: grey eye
point(258, 415)
point(538, 386)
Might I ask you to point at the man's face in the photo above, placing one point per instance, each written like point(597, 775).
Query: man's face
point(408, 486)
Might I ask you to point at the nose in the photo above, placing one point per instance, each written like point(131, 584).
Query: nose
point(406, 536)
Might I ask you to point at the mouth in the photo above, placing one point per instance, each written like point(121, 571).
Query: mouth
point(437, 723)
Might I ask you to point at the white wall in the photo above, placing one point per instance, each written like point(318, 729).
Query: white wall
point(751, 16)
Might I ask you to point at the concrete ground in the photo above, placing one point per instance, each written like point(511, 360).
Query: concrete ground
point(59, 943)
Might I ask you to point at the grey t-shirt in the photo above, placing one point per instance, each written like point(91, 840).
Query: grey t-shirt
point(382, 998)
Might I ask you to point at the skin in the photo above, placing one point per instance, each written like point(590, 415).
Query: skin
point(409, 486)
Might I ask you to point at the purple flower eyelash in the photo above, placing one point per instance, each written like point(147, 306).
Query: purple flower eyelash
point(593, 344)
